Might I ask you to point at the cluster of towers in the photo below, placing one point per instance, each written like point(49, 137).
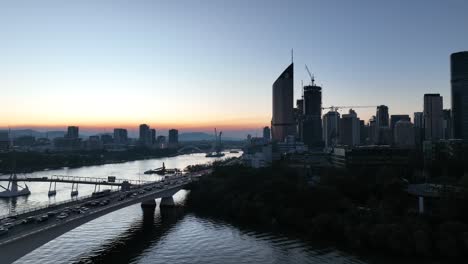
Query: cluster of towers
point(304, 122)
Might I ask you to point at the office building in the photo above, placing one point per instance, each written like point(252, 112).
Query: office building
point(144, 135)
point(349, 129)
point(298, 117)
point(418, 129)
point(173, 138)
point(120, 136)
point(459, 81)
point(312, 117)
point(282, 122)
point(72, 132)
point(370, 156)
point(433, 117)
point(403, 134)
point(382, 116)
point(153, 136)
point(266, 134)
point(331, 121)
point(395, 118)
point(447, 124)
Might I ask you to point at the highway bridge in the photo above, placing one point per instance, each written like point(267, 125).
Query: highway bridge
point(27, 230)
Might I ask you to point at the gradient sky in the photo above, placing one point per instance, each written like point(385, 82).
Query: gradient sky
point(200, 64)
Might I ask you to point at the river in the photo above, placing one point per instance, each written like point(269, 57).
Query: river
point(130, 235)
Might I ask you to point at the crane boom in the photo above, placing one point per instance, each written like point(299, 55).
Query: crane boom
point(310, 75)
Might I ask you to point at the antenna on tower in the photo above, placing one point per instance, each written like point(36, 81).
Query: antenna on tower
point(292, 55)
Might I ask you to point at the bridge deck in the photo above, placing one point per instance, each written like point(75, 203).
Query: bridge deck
point(78, 180)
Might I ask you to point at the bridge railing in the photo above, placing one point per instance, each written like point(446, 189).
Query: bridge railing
point(50, 205)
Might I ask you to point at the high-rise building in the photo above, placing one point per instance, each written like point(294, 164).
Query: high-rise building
point(72, 132)
point(312, 117)
point(382, 116)
point(282, 122)
point(418, 129)
point(120, 136)
point(153, 136)
point(331, 121)
point(395, 118)
point(266, 134)
point(349, 129)
point(459, 81)
point(363, 132)
point(403, 134)
point(372, 131)
point(145, 135)
point(299, 116)
point(433, 117)
point(173, 138)
point(447, 124)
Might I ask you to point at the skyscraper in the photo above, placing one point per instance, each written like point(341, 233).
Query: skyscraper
point(173, 138)
point(145, 135)
point(72, 132)
point(282, 122)
point(418, 128)
point(120, 136)
point(433, 117)
point(459, 81)
point(395, 118)
point(350, 129)
point(266, 134)
point(153, 136)
point(382, 116)
point(331, 122)
point(447, 124)
point(312, 117)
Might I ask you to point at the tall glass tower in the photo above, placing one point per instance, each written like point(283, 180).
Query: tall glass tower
point(459, 80)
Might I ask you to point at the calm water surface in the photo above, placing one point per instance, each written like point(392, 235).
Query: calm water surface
point(131, 235)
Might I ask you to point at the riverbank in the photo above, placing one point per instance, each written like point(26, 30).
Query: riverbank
point(26, 162)
point(359, 213)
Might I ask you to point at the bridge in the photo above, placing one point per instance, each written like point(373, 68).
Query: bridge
point(190, 149)
point(27, 230)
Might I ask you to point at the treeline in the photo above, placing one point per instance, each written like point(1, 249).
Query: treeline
point(32, 161)
point(362, 212)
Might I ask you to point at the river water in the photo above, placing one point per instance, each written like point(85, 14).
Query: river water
point(131, 235)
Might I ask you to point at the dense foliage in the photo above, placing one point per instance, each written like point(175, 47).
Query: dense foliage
point(364, 212)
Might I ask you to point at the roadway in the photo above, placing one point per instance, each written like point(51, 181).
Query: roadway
point(30, 230)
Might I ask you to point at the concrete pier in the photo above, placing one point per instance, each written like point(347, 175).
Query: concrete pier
point(167, 202)
point(149, 204)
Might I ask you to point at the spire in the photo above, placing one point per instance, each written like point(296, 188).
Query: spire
point(292, 55)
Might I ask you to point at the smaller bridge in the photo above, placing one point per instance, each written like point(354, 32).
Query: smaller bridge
point(190, 149)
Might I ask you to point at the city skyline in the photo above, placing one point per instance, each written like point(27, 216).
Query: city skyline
point(58, 71)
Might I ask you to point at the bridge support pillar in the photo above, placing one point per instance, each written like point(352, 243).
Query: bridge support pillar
point(149, 204)
point(167, 202)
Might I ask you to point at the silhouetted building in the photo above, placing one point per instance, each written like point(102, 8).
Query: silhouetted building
point(106, 139)
point(312, 122)
point(433, 117)
point(4, 140)
point(363, 132)
point(145, 135)
point(72, 132)
point(266, 134)
point(459, 81)
point(153, 136)
point(173, 138)
point(403, 134)
point(349, 134)
point(447, 124)
point(282, 123)
point(385, 136)
point(395, 118)
point(331, 121)
point(370, 156)
point(382, 116)
point(373, 131)
point(299, 116)
point(418, 129)
point(120, 136)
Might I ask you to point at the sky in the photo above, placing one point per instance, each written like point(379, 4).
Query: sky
point(196, 65)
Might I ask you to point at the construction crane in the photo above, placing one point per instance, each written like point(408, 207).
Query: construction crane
point(312, 80)
point(336, 108)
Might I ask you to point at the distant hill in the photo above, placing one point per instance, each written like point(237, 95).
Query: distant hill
point(37, 134)
point(200, 136)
